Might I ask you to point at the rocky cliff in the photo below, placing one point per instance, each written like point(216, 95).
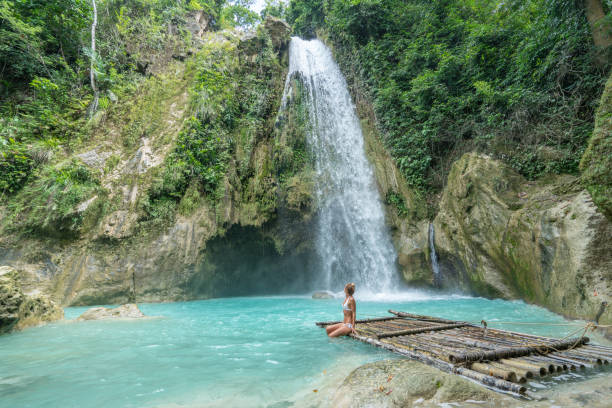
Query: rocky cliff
point(500, 235)
point(143, 227)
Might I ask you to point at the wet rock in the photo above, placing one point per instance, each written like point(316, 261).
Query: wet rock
point(406, 383)
point(127, 311)
point(322, 295)
point(11, 298)
point(144, 158)
point(197, 23)
point(18, 310)
point(36, 310)
point(94, 159)
point(413, 256)
point(119, 224)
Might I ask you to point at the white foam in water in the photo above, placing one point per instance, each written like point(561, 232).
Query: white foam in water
point(353, 243)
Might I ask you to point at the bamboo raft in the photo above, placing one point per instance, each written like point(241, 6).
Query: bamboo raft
point(500, 360)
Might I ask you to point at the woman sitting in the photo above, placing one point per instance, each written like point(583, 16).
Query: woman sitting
point(349, 308)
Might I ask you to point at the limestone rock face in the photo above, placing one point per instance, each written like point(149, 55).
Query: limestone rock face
point(118, 225)
point(19, 310)
point(127, 311)
point(413, 254)
point(279, 31)
point(406, 383)
point(11, 298)
point(197, 23)
point(545, 242)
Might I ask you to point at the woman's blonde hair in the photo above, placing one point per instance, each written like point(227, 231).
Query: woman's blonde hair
point(350, 288)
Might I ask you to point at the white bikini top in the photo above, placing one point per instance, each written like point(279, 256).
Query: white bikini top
point(345, 305)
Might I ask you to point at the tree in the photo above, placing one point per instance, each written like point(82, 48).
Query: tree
point(92, 71)
point(601, 26)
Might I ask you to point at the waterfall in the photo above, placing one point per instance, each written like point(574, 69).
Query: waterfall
point(433, 256)
point(352, 241)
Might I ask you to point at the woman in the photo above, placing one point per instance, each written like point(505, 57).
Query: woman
point(349, 308)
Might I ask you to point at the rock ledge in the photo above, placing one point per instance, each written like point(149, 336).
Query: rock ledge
point(127, 311)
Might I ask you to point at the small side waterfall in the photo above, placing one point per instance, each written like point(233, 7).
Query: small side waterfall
point(352, 240)
point(433, 256)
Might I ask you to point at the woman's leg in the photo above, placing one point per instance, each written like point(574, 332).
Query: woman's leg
point(341, 331)
point(333, 327)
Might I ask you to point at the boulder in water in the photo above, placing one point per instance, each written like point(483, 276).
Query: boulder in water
point(322, 295)
point(20, 310)
point(404, 383)
point(127, 311)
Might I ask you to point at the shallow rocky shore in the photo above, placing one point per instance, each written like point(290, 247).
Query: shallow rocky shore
point(407, 383)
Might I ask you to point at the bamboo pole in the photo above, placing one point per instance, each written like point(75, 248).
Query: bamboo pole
point(552, 368)
point(579, 356)
point(604, 359)
point(494, 371)
point(514, 351)
point(600, 352)
point(571, 364)
point(559, 365)
point(588, 363)
point(491, 381)
point(525, 365)
point(423, 318)
point(520, 373)
point(605, 349)
point(377, 319)
point(421, 330)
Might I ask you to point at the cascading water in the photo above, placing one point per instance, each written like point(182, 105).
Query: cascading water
point(433, 256)
point(352, 240)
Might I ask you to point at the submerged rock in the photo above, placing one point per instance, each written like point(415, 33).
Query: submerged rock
point(404, 383)
point(19, 310)
point(322, 295)
point(127, 311)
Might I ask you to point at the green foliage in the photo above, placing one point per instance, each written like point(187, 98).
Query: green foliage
point(50, 203)
point(234, 98)
point(15, 167)
point(292, 155)
point(515, 79)
point(596, 164)
point(306, 16)
point(396, 200)
point(237, 13)
point(274, 8)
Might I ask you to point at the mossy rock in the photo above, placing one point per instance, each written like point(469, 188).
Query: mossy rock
point(18, 310)
point(404, 383)
point(596, 163)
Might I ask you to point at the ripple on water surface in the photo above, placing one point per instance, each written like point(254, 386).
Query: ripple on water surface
point(221, 352)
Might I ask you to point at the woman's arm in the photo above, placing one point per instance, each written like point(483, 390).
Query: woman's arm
point(354, 307)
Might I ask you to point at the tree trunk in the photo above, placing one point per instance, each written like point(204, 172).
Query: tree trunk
point(601, 29)
point(92, 72)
